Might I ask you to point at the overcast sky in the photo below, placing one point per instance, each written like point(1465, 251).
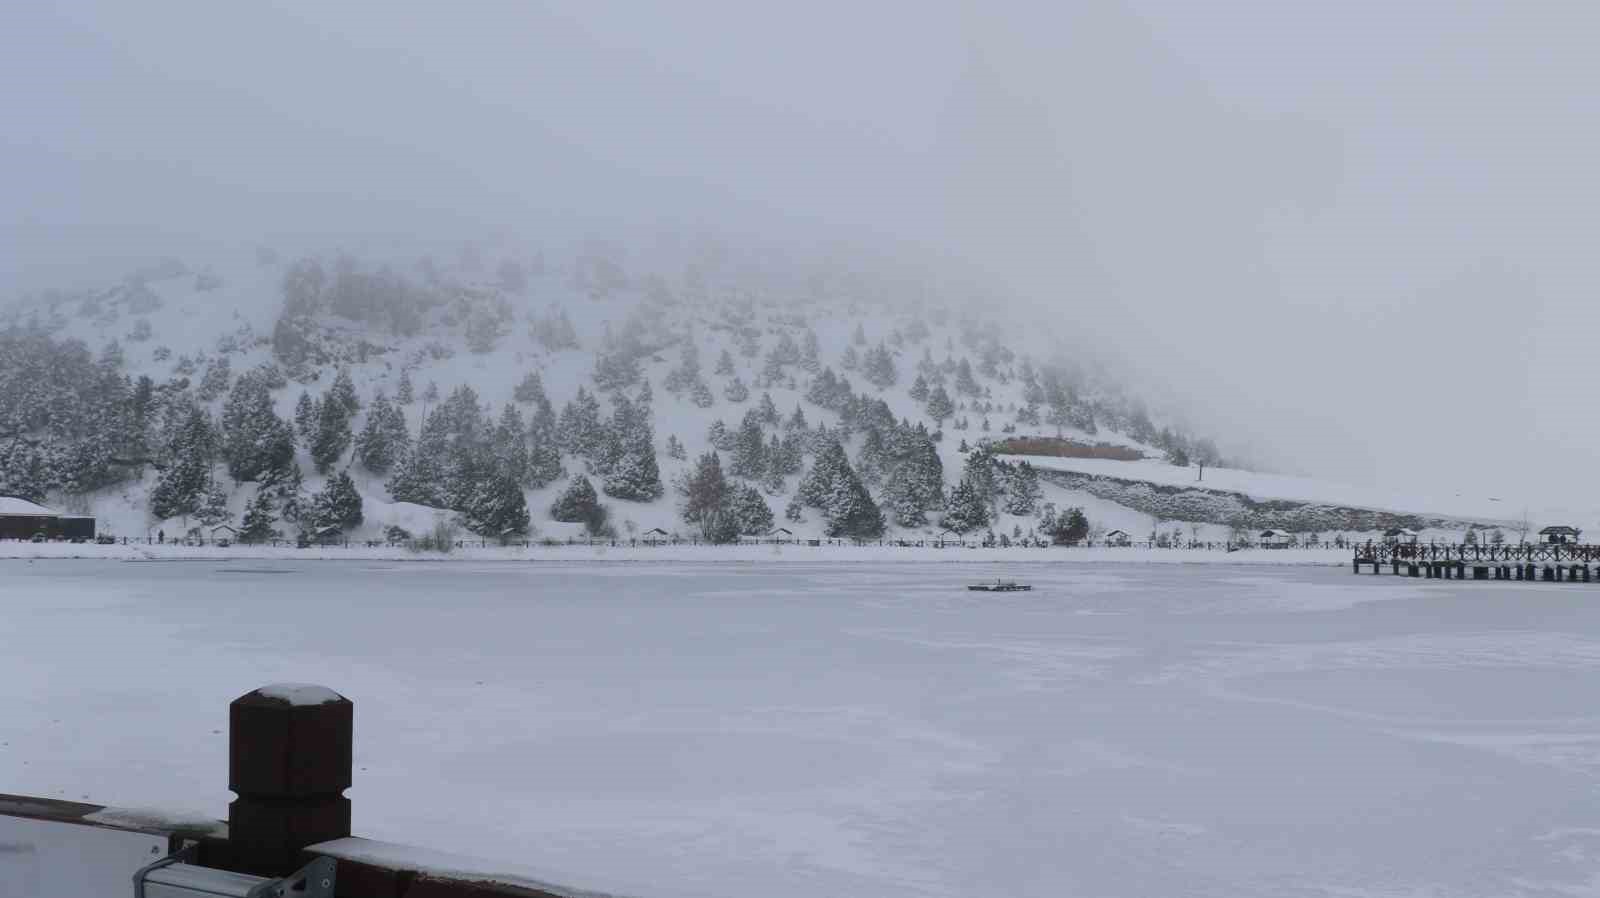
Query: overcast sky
point(1353, 235)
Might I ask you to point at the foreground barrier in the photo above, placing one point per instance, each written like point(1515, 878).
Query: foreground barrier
point(290, 754)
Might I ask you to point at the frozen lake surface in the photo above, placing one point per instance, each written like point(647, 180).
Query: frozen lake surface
point(858, 729)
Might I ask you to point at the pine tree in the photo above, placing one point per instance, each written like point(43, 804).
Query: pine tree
point(254, 439)
point(872, 459)
point(751, 511)
point(879, 368)
point(859, 338)
point(289, 490)
point(850, 360)
point(384, 439)
point(509, 447)
point(577, 504)
point(333, 433)
point(787, 352)
point(258, 518)
point(797, 421)
point(531, 390)
point(182, 486)
point(343, 392)
point(967, 510)
point(431, 394)
point(1022, 489)
point(736, 391)
point(306, 415)
point(215, 382)
point(850, 511)
point(498, 508)
point(687, 372)
point(213, 512)
point(405, 394)
point(979, 470)
point(704, 490)
point(966, 385)
point(767, 411)
point(916, 485)
point(810, 353)
point(749, 450)
point(635, 476)
point(1070, 528)
point(724, 366)
point(580, 428)
point(719, 438)
point(675, 450)
point(705, 497)
point(939, 405)
point(919, 389)
point(338, 505)
point(544, 449)
point(700, 395)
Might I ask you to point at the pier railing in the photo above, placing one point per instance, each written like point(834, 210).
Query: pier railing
point(1507, 553)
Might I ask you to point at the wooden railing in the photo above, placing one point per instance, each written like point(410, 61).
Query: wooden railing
point(1508, 553)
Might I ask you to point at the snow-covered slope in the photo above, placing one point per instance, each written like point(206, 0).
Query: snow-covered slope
point(1262, 486)
point(490, 325)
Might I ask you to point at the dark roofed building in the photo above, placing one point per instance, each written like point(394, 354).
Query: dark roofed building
point(21, 519)
point(1559, 534)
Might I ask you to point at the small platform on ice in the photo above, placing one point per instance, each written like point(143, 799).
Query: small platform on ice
point(1001, 586)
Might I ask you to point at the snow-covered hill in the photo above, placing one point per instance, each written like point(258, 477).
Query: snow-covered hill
point(669, 346)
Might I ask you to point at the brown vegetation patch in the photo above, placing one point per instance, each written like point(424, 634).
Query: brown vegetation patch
point(1060, 447)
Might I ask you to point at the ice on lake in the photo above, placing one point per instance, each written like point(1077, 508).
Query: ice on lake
point(803, 729)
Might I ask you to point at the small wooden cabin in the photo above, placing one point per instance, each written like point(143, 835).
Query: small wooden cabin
point(1559, 534)
point(1276, 539)
point(1400, 535)
point(1118, 538)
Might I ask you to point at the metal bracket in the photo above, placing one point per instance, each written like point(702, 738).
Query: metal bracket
point(314, 880)
point(181, 856)
point(174, 877)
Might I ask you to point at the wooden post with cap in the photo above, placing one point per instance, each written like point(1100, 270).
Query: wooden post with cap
point(289, 761)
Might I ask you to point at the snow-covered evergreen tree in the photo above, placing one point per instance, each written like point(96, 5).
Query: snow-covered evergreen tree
point(736, 391)
point(343, 392)
point(306, 416)
point(578, 503)
point(214, 511)
point(939, 405)
point(811, 353)
point(333, 433)
point(724, 364)
point(337, 505)
point(215, 382)
point(967, 511)
point(385, 439)
point(700, 395)
point(879, 367)
point(255, 440)
point(405, 394)
point(749, 450)
point(750, 509)
point(498, 508)
point(259, 518)
point(919, 389)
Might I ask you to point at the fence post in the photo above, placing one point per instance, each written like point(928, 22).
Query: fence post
point(289, 760)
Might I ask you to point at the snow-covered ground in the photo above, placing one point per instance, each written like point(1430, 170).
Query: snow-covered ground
point(753, 553)
point(674, 729)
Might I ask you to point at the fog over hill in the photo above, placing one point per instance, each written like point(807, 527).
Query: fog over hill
point(1365, 266)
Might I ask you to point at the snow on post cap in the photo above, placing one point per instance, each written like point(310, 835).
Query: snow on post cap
point(300, 694)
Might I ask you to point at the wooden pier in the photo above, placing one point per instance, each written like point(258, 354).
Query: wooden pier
point(1545, 562)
